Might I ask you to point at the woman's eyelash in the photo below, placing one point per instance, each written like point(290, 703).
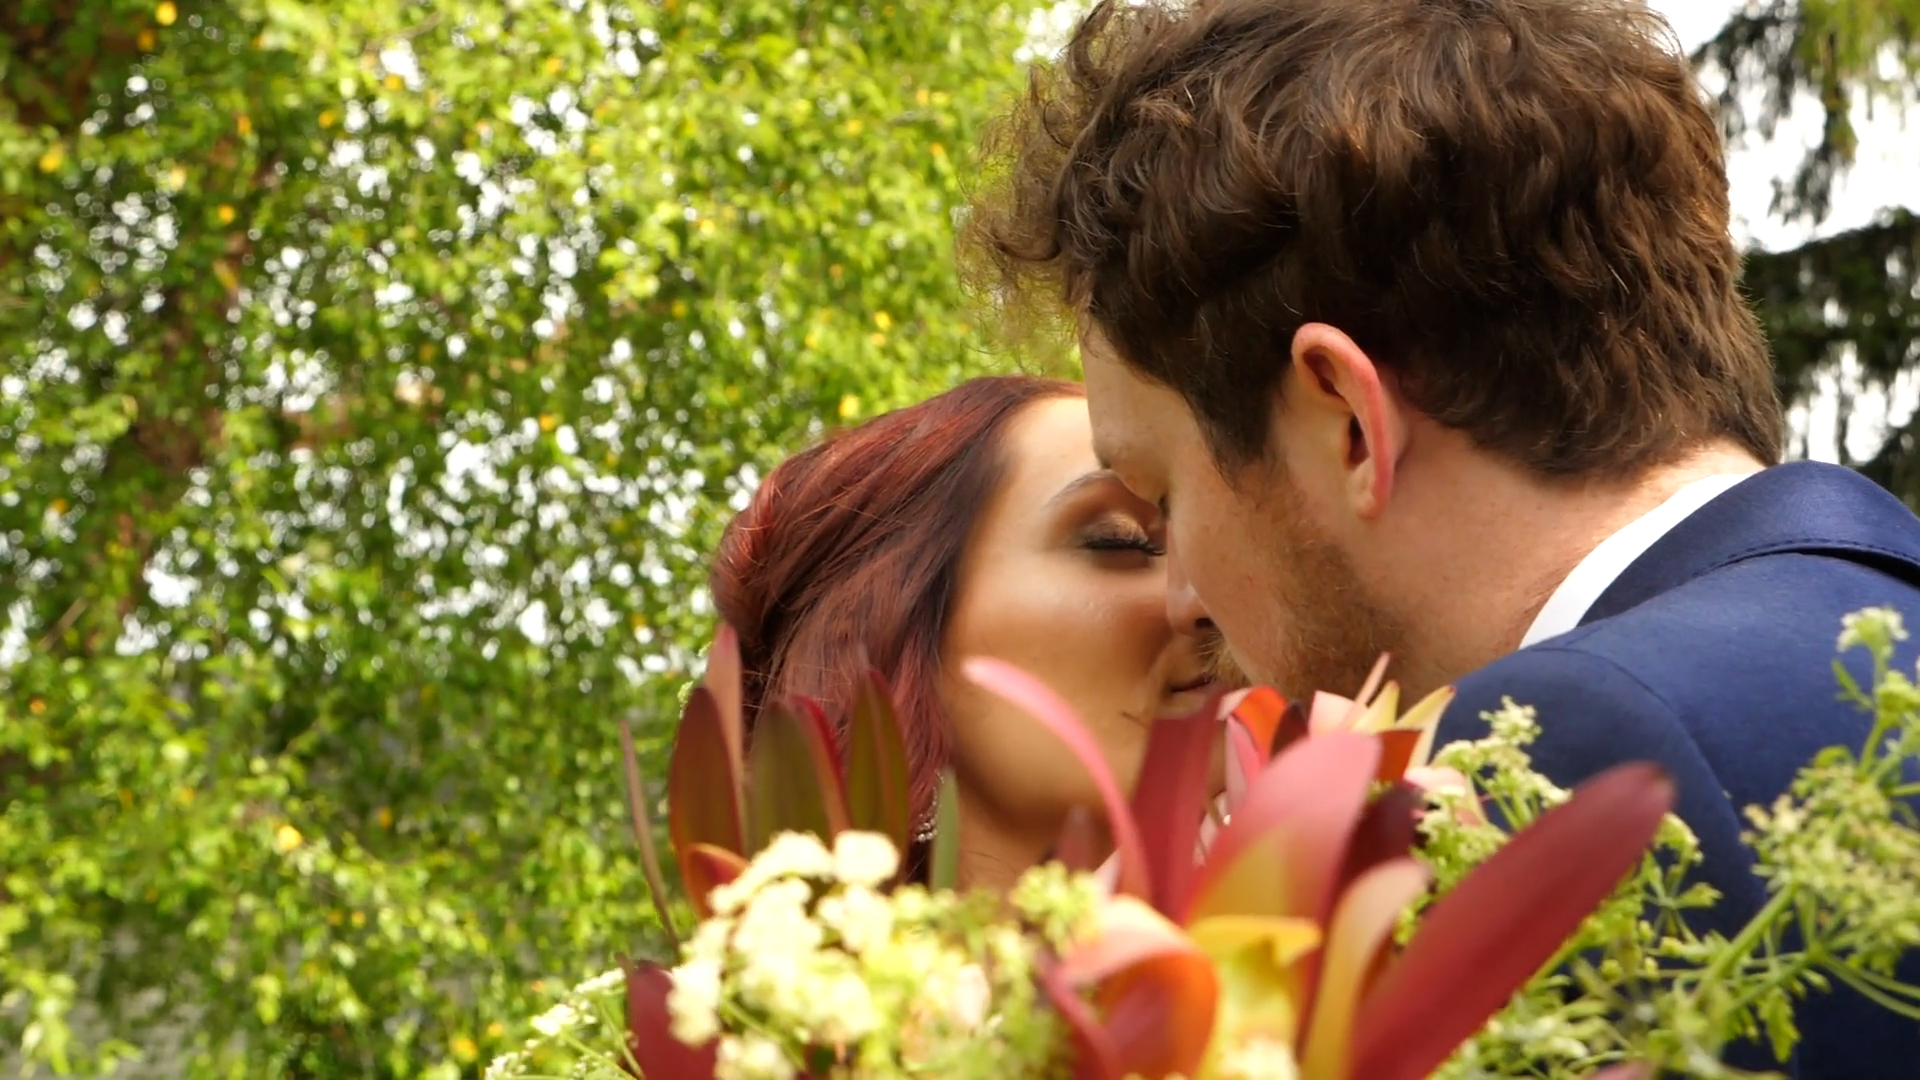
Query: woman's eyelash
point(1123, 542)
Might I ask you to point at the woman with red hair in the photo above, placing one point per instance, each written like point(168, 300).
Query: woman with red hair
point(977, 523)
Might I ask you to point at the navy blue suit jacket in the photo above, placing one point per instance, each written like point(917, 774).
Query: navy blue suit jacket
point(1712, 654)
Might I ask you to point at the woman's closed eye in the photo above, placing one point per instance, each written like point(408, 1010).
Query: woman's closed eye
point(1116, 537)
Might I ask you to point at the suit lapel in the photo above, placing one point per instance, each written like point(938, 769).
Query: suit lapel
point(1804, 507)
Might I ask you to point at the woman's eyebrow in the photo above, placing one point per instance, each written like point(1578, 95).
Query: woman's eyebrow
point(1081, 483)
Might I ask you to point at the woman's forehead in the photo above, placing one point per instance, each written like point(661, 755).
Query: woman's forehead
point(1050, 448)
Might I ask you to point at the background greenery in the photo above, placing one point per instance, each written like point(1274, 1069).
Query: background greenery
point(1852, 296)
point(374, 376)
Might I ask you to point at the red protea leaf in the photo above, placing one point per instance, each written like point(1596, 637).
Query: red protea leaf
point(1261, 712)
point(705, 868)
point(1080, 846)
point(1243, 762)
point(703, 783)
point(1058, 717)
point(650, 1035)
point(1361, 928)
point(1291, 729)
point(1282, 852)
point(1093, 1052)
point(1154, 990)
point(1386, 831)
point(1397, 748)
point(722, 680)
point(1496, 928)
point(1170, 801)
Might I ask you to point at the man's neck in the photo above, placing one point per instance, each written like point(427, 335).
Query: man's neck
point(1523, 538)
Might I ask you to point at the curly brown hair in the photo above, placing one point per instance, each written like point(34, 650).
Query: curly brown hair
point(1519, 207)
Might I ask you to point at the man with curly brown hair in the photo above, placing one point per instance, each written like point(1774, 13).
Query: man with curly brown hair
point(1420, 321)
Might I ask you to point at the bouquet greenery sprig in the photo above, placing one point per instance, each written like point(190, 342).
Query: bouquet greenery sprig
point(1368, 909)
point(1840, 852)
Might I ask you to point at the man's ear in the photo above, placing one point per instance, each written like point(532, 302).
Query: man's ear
point(1363, 425)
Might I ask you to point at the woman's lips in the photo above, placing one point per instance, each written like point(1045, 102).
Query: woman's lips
point(1185, 699)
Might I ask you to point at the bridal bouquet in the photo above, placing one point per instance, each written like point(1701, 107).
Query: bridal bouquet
point(1366, 909)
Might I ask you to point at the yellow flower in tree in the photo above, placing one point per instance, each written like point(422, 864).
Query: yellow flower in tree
point(287, 838)
point(225, 214)
point(165, 13)
point(849, 407)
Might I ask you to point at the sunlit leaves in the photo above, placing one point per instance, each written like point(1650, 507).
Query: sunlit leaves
point(376, 377)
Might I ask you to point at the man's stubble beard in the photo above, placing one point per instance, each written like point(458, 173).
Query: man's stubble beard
point(1326, 632)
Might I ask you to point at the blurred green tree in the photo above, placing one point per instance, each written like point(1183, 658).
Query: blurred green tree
point(1853, 294)
point(374, 376)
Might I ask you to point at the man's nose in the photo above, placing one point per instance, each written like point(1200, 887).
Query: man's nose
point(1184, 610)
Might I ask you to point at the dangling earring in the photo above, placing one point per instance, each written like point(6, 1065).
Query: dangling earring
point(930, 826)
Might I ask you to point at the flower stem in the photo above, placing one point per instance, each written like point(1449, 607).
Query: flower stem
point(1749, 936)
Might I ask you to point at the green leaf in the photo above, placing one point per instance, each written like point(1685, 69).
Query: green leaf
point(793, 781)
point(878, 797)
point(943, 870)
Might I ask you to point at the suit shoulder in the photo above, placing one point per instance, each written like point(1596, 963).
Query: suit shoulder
point(1557, 680)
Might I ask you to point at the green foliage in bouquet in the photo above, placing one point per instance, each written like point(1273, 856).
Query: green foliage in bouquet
point(1840, 852)
point(809, 940)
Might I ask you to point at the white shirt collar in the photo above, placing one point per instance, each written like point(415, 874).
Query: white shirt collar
point(1606, 562)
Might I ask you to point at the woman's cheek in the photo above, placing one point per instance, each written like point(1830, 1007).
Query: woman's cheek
point(1022, 770)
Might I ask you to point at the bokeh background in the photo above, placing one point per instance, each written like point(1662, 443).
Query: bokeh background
point(375, 374)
